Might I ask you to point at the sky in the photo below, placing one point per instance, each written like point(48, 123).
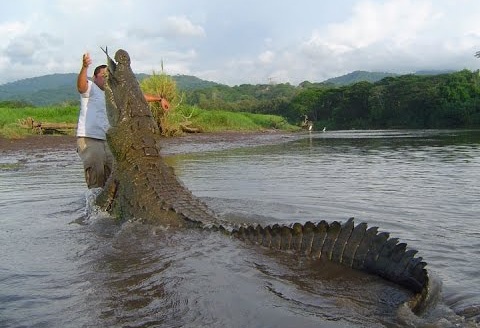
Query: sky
point(240, 41)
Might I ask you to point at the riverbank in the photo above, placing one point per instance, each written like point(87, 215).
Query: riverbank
point(66, 142)
point(38, 142)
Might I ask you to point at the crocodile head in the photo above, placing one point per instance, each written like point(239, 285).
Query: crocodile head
point(124, 98)
point(128, 113)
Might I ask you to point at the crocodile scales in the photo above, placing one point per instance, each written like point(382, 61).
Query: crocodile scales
point(143, 186)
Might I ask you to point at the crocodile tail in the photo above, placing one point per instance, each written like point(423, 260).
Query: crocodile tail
point(355, 246)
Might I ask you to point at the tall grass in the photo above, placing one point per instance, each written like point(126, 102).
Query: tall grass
point(47, 114)
point(165, 86)
point(219, 120)
point(11, 118)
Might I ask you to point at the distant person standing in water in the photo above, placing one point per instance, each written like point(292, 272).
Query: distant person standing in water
point(93, 124)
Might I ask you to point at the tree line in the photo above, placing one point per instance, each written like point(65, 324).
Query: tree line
point(407, 101)
point(449, 100)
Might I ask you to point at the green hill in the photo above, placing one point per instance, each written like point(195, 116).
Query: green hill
point(41, 90)
point(58, 89)
point(61, 88)
point(372, 77)
point(358, 76)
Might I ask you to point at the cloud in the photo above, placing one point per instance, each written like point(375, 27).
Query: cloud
point(32, 49)
point(180, 26)
point(266, 56)
point(9, 30)
point(394, 24)
point(242, 41)
point(397, 35)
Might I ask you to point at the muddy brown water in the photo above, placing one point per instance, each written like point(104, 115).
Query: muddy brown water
point(63, 263)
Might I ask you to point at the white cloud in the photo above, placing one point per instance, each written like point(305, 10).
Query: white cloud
point(266, 57)
point(180, 26)
point(397, 35)
point(397, 24)
point(10, 30)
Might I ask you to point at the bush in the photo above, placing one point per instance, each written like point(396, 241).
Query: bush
point(164, 86)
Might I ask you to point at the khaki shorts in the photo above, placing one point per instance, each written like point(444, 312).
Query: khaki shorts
point(97, 160)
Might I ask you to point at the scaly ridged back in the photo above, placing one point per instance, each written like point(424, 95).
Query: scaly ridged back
point(347, 244)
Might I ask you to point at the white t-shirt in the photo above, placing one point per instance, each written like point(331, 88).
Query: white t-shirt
point(92, 120)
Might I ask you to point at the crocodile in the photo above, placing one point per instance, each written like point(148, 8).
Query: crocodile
point(144, 187)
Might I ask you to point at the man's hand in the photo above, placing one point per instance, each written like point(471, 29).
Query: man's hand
point(82, 82)
point(165, 104)
point(86, 60)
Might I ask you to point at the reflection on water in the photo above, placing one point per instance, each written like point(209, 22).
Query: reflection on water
point(62, 265)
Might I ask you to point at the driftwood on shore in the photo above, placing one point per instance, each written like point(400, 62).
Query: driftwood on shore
point(47, 128)
point(188, 129)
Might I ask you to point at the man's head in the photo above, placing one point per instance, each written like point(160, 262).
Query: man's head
point(99, 76)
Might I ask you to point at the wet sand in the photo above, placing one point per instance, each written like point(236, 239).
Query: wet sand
point(38, 142)
point(63, 142)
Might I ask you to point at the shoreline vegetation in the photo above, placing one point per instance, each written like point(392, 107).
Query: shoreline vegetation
point(19, 123)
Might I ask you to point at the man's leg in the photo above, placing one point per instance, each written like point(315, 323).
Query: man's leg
point(92, 153)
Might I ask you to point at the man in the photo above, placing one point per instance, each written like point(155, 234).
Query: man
point(93, 124)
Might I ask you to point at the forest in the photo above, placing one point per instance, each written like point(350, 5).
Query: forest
point(450, 100)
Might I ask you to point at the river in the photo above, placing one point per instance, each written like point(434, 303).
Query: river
point(64, 263)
